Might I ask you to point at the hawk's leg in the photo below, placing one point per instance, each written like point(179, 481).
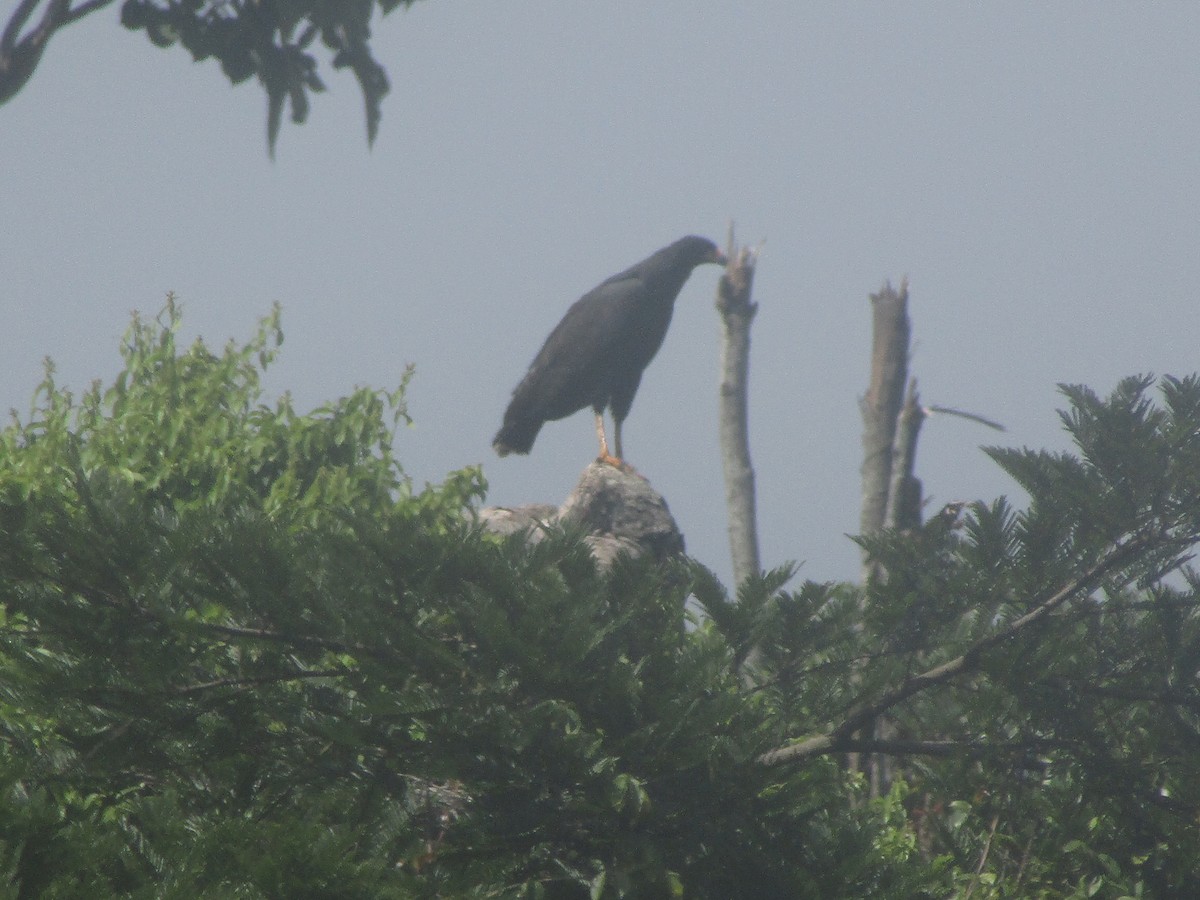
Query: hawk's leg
point(605, 456)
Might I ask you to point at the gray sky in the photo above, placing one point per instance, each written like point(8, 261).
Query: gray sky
point(1034, 169)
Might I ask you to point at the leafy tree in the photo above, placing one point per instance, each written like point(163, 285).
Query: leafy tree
point(240, 655)
point(271, 40)
point(1040, 666)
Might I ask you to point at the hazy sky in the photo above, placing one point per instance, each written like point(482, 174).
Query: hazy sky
point(1033, 168)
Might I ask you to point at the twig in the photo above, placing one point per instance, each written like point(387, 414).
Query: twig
point(943, 748)
point(963, 414)
point(1024, 862)
point(280, 637)
point(987, 846)
point(188, 689)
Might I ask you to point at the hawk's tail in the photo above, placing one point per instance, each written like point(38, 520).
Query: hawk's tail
point(516, 436)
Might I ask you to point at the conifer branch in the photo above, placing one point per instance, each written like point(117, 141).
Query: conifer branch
point(902, 747)
point(281, 637)
point(838, 739)
point(189, 689)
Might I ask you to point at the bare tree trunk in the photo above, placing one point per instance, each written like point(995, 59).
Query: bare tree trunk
point(904, 494)
point(881, 406)
point(737, 312)
point(891, 495)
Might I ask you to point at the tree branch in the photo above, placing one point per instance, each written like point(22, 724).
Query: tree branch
point(904, 747)
point(74, 15)
point(737, 312)
point(835, 740)
point(1134, 695)
point(19, 56)
point(280, 637)
point(903, 508)
point(987, 846)
point(189, 689)
point(8, 41)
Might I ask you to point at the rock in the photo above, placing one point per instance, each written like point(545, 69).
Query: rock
point(534, 517)
point(620, 512)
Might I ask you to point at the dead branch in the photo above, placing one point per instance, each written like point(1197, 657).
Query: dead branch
point(737, 312)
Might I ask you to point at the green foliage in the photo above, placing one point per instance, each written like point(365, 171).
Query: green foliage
point(1062, 647)
point(272, 41)
point(240, 656)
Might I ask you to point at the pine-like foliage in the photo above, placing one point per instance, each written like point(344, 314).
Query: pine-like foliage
point(1041, 667)
point(241, 657)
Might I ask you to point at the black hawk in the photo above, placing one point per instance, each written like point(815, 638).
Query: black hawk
point(595, 356)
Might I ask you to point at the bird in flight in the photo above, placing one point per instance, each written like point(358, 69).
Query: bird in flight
point(596, 355)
